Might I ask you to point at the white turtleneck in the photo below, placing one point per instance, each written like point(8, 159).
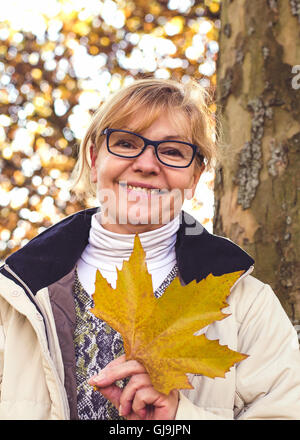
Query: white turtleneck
point(107, 250)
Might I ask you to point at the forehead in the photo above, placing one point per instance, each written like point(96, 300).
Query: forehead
point(175, 122)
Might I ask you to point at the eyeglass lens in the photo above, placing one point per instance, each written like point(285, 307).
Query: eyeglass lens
point(169, 152)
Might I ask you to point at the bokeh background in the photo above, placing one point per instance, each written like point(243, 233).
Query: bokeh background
point(59, 60)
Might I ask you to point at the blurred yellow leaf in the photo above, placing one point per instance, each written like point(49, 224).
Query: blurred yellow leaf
point(81, 28)
point(3, 50)
point(104, 41)
point(19, 177)
point(36, 74)
point(213, 34)
point(94, 50)
point(213, 80)
point(214, 7)
point(4, 97)
point(175, 25)
point(133, 23)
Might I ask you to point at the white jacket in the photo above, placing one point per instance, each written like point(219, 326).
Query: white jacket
point(33, 369)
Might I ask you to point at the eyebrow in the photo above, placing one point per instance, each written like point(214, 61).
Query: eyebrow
point(173, 136)
point(168, 137)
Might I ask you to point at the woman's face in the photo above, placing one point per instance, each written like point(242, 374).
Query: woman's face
point(127, 189)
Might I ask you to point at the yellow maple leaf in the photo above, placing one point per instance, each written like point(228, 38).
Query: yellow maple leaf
point(159, 332)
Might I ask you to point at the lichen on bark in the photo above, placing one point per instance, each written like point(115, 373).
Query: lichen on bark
point(250, 158)
point(295, 8)
point(278, 157)
point(273, 5)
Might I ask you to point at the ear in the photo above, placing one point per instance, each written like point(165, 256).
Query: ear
point(195, 179)
point(93, 156)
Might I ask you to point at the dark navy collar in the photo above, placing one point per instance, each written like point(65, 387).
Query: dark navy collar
point(54, 253)
point(200, 253)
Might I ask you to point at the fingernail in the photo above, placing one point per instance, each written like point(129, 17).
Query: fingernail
point(91, 380)
point(96, 379)
point(100, 377)
point(120, 410)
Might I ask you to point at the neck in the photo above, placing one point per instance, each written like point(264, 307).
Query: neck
point(118, 246)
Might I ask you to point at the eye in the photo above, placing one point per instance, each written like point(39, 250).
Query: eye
point(124, 143)
point(171, 151)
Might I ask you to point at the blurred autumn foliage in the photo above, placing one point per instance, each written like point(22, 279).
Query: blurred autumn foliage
point(59, 60)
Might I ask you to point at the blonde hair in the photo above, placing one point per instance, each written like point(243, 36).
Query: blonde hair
point(151, 97)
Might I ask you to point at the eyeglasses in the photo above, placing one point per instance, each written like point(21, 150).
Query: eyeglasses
point(128, 144)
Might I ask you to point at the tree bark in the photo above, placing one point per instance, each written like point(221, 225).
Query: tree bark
point(257, 184)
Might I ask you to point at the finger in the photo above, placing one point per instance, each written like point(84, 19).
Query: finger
point(107, 376)
point(115, 362)
point(143, 397)
point(118, 360)
point(136, 382)
point(112, 393)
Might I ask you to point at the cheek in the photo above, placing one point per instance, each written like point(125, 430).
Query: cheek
point(181, 181)
point(104, 170)
point(184, 184)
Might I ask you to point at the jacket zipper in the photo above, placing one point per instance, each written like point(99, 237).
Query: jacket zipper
point(32, 297)
point(47, 354)
point(8, 269)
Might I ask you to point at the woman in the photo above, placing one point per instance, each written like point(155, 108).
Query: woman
point(143, 154)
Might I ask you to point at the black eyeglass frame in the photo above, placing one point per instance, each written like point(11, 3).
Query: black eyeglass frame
point(107, 131)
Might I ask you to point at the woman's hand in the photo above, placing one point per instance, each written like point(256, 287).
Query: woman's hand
point(138, 400)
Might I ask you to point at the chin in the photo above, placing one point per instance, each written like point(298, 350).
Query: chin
point(148, 220)
point(139, 222)
point(136, 220)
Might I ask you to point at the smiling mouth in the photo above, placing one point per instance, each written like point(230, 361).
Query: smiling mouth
point(143, 189)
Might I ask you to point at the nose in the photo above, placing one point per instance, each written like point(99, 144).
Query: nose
point(147, 162)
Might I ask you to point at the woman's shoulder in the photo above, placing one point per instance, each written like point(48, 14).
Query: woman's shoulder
point(251, 295)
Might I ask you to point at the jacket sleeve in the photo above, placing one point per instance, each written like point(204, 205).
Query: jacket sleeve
point(189, 411)
point(268, 381)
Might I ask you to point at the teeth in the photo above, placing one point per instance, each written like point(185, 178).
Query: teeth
point(146, 190)
point(138, 188)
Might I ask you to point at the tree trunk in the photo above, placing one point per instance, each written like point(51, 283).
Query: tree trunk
point(257, 184)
